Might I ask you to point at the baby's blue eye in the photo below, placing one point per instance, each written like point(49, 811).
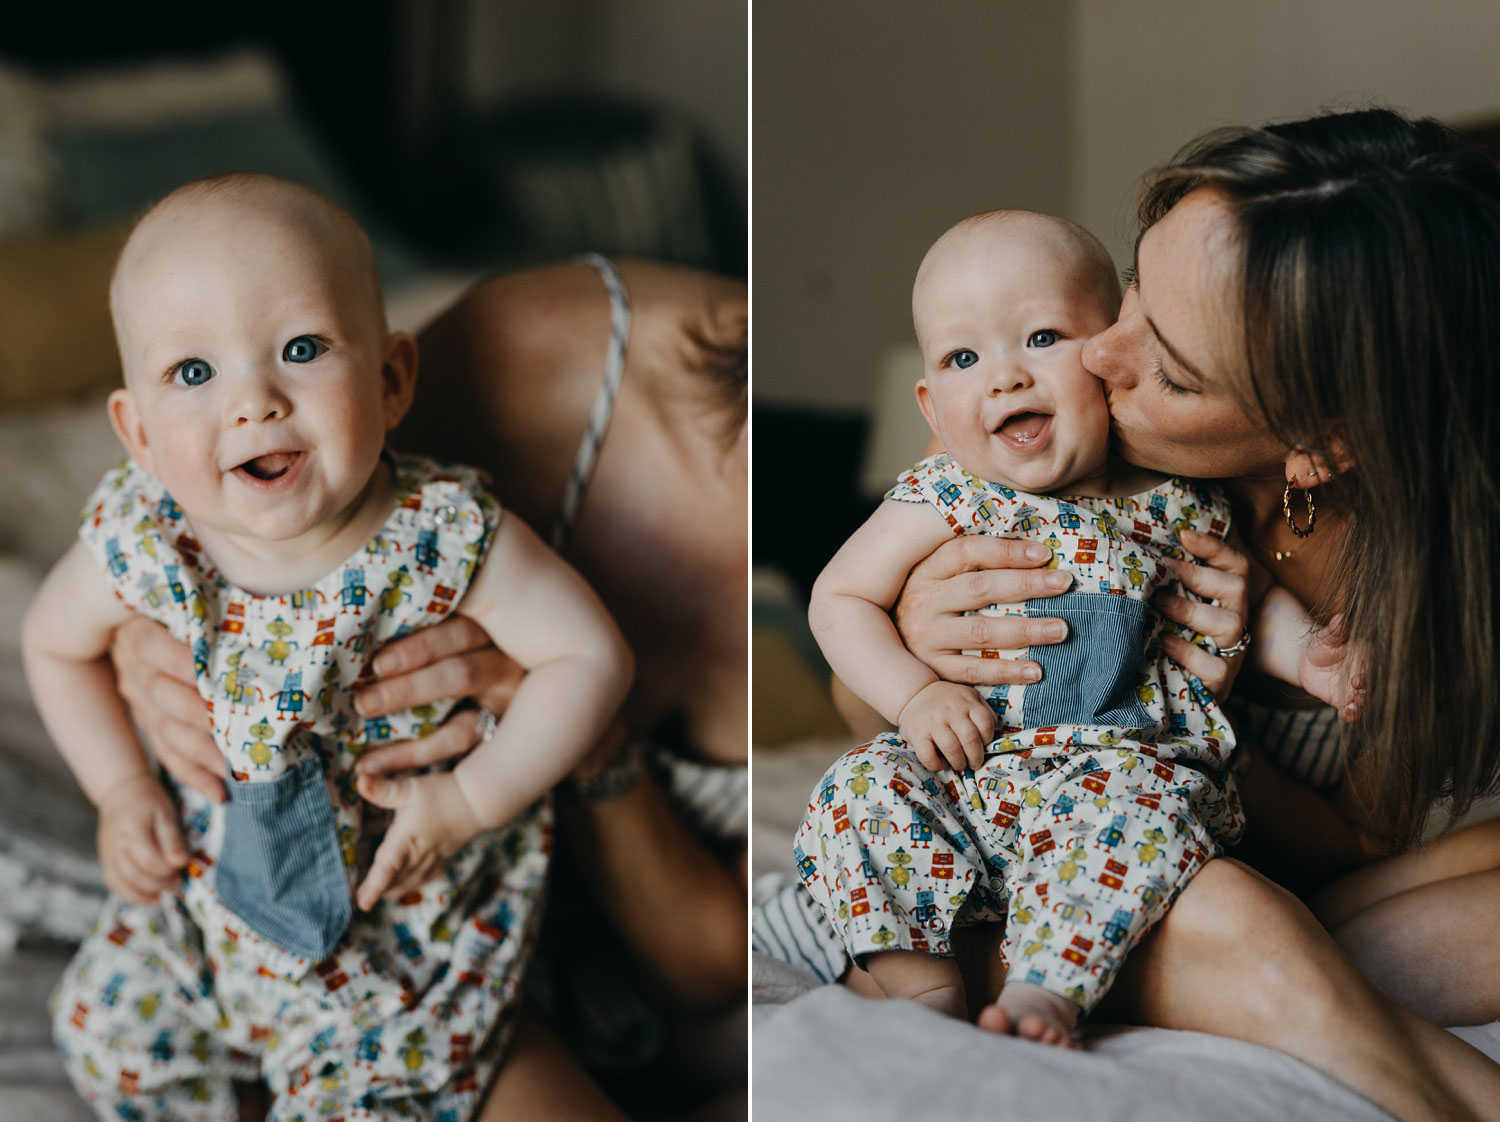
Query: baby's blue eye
point(964, 359)
point(1042, 339)
point(193, 372)
point(304, 348)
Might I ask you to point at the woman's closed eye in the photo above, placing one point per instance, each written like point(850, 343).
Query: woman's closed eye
point(304, 348)
point(191, 372)
point(1167, 383)
point(962, 358)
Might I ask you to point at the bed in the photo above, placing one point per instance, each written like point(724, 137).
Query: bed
point(822, 1052)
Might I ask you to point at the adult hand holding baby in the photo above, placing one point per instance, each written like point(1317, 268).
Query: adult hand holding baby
point(454, 659)
point(154, 673)
point(963, 575)
point(968, 573)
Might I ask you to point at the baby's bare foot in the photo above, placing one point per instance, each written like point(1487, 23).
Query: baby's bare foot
point(1031, 1012)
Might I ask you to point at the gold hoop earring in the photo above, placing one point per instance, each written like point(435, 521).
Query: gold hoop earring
point(1286, 509)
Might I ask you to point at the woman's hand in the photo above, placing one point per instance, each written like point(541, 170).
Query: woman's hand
point(1224, 579)
point(966, 574)
point(454, 659)
point(1332, 671)
point(154, 674)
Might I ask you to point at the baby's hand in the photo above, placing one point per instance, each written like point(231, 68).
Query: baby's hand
point(947, 725)
point(1333, 672)
point(433, 822)
point(140, 844)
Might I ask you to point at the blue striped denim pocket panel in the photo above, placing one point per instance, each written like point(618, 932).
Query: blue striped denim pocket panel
point(1090, 677)
point(281, 870)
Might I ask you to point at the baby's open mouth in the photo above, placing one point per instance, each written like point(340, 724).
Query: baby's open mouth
point(1023, 428)
point(273, 465)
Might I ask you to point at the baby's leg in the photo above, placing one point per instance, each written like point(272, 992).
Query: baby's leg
point(927, 979)
point(137, 1034)
point(1103, 857)
point(891, 852)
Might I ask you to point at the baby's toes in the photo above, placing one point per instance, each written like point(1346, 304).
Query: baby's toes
point(992, 1018)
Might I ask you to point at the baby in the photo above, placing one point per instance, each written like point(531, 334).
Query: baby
point(263, 522)
point(1074, 808)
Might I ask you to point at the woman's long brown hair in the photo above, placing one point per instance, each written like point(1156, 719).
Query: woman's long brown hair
point(1371, 248)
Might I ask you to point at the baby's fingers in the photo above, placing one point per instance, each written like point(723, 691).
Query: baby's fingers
point(415, 876)
point(926, 752)
point(970, 743)
point(168, 837)
point(389, 865)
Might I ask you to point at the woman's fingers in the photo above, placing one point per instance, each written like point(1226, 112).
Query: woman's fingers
point(970, 591)
point(191, 755)
point(1214, 672)
point(1227, 589)
point(142, 650)
point(462, 675)
point(454, 636)
point(974, 551)
point(1220, 624)
point(1217, 552)
point(982, 670)
point(457, 735)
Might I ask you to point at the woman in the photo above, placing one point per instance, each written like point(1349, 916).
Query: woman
point(649, 362)
point(1310, 322)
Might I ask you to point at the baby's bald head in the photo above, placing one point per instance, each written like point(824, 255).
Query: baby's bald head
point(242, 207)
point(1087, 261)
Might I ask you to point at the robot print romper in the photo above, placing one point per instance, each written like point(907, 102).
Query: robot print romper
point(1103, 791)
point(258, 966)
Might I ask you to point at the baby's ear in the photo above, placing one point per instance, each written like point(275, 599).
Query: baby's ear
point(398, 376)
point(924, 403)
point(126, 420)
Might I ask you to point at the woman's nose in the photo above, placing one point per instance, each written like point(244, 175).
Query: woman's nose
point(1105, 356)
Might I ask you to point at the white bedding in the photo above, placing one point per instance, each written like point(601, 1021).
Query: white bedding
point(820, 1052)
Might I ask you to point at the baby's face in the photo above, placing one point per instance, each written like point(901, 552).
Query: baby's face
point(1002, 313)
point(254, 370)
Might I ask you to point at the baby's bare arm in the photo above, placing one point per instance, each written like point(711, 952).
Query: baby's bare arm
point(65, 643)
point(852, 599)
point(578, 671)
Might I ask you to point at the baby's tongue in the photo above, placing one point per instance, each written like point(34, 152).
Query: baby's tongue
point(1024, 426)
point(270, 466)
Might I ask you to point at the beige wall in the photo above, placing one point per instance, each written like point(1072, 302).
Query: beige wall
point(874, 127)
point(876, 124)
point(1150, 75)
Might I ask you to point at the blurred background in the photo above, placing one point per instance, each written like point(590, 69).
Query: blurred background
point(874, 129)
point(467, 136)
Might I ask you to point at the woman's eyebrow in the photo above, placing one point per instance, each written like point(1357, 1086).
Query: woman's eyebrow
point(1135, 279)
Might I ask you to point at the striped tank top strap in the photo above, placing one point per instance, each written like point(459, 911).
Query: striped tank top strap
point(604, 401)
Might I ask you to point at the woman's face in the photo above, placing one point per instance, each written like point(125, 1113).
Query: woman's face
point(1173, 363)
